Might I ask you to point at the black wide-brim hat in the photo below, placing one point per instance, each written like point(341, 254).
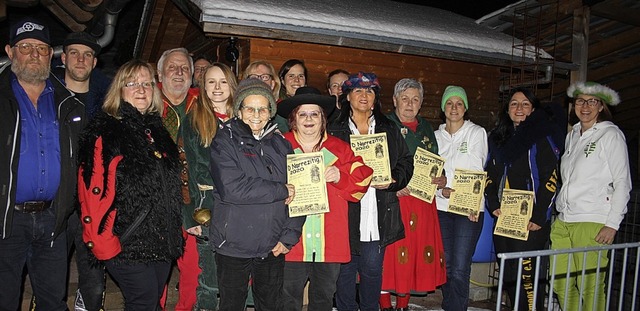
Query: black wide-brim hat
point(307, 95)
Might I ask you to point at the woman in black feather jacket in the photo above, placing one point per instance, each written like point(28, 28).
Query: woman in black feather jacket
point(129, 188)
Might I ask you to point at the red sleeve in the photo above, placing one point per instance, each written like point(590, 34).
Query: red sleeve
point(96, 196)
point(355, 176)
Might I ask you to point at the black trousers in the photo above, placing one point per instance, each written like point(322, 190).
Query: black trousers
point(233, 280)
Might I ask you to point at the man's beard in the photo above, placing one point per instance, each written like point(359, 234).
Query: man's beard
point(29, 74)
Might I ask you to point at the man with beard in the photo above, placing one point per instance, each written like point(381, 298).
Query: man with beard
point(41, 124)
point(175, 68)
point(80, 56)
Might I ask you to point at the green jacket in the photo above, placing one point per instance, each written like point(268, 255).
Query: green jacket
point(198, 166)
point(422, 137)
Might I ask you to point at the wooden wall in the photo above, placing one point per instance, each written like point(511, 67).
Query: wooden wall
point(481, 82)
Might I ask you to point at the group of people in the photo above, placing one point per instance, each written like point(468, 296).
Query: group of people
point(191, 168)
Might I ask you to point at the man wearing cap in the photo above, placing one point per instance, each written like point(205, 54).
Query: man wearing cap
point(41, 124)
point(80, 56)
point(80, 51)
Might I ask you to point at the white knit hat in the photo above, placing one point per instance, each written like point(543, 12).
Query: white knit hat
point(605, 93)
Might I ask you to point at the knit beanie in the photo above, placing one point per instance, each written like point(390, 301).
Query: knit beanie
point(253, 86)
point(453, 90)
point(604, 93)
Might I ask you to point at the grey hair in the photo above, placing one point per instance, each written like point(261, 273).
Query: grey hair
point(166, 53)
point(408, 83)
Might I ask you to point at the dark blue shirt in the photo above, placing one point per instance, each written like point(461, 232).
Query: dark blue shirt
point(39, 164)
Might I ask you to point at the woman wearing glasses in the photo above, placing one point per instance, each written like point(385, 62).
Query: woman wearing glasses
point(593, 199)
point(325, 241)
point(523, 154)
point(129, 188)
point(251, 230)
point(264, 71)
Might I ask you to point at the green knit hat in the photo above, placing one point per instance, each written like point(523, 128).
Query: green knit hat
point(453, 90)
point(252, 86)
point(604, 93)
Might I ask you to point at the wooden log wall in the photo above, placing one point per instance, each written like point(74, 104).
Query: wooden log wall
point(481, 82)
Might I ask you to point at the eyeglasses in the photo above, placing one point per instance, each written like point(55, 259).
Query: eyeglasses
point(27, 48)
point(262, 111)
point(309, 114)
point(264, 77)
point(591, 102)
point(135, 85)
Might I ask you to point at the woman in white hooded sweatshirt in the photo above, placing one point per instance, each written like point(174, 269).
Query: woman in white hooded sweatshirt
point(464, 145)
point(593, 198)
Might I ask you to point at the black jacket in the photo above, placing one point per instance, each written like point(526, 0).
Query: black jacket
point(71, 117)
point(389, 221)
point(147, 178)
point(249, 214)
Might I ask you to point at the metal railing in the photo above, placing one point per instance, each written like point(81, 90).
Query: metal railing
point(621, 275)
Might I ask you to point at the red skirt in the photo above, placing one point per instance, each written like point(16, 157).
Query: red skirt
point(415, 264)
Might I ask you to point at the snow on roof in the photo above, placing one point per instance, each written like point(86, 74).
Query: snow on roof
point(373, 20)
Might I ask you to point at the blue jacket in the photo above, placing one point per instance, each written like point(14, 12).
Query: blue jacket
point(249, 215)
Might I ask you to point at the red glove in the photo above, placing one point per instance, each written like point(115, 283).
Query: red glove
point(94, 205)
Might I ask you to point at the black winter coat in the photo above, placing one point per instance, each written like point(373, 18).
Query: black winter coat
point(249, 214)
point(389, 221)
point(71, 118)
point(143, 181)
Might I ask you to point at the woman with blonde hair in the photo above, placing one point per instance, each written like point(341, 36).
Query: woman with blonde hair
point(214, 106)
point(217, 87)
point(129, 188)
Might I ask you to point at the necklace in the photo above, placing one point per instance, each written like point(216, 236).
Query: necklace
point(151, 141)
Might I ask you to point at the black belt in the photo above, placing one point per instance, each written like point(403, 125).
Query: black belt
point(32, 206)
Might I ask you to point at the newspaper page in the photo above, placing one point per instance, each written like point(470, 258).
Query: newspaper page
point(306, 172)
point(374, 150)
point(516, 208)
point(469, 190)
point(426, 165)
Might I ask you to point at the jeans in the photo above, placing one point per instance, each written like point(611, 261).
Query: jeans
point(322, 285)
point(369, 266)
point(233, 281)
point(31, 243)
point(141, 283)
point(459, 238)
point(91, 273)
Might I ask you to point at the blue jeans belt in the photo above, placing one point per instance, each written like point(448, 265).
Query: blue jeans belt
point(32, 206)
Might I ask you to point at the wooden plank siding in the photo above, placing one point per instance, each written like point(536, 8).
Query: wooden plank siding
point(480, 81)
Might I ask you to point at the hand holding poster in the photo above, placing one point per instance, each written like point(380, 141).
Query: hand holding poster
point(374, 151)
point(426, 166)
point(469, 191)
point(306, 172)
point(516, 208)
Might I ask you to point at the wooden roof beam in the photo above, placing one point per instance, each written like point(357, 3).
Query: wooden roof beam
point(609, 10)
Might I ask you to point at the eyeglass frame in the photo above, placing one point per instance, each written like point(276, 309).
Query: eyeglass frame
point(579, 102)
point(262, 111)
point(263, 77)
point(137, 85)
point(39, 48)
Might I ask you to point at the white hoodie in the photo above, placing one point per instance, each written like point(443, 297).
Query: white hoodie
point(467, 149)
point(595, 176)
